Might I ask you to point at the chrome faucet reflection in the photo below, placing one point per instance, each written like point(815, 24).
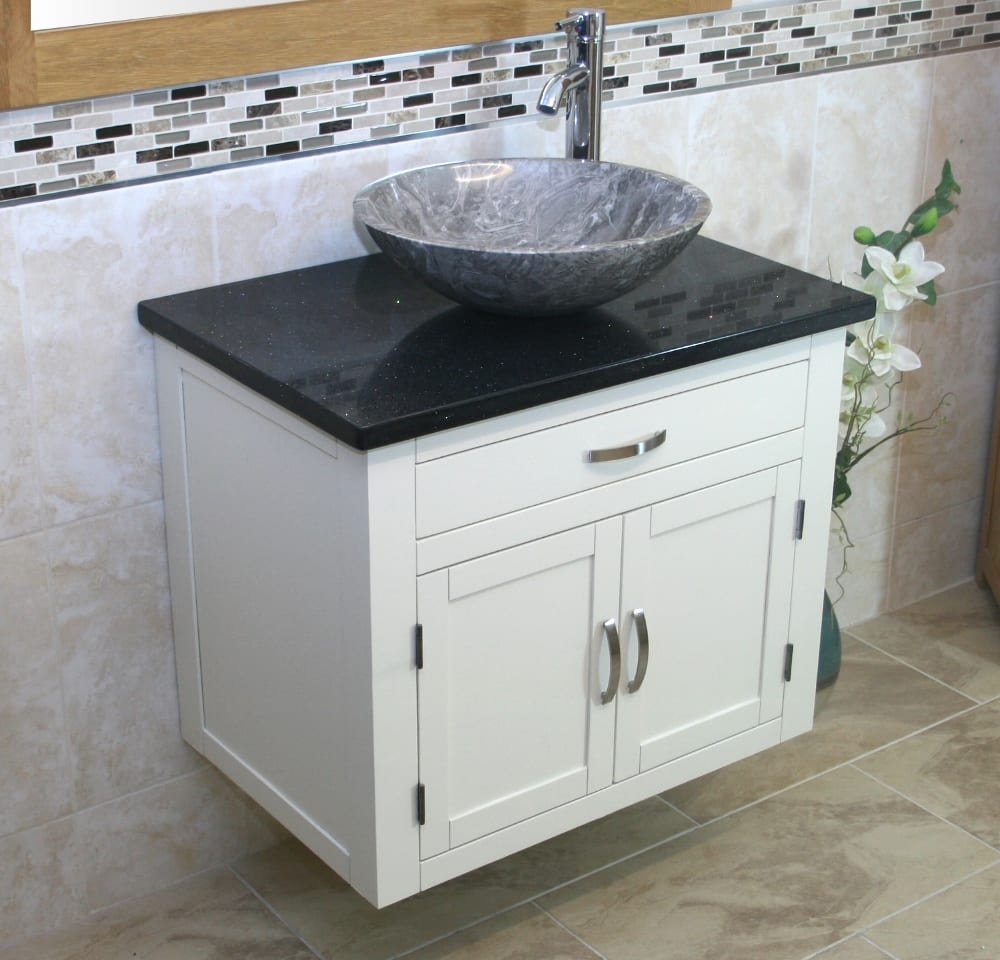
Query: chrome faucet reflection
point(580, 83)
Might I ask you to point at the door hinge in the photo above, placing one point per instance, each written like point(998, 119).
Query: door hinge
point(418, 646)
point(421, 810)
point(789, 651)
point(800, 518)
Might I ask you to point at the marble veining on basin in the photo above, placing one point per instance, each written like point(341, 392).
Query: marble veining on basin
point(532, 237)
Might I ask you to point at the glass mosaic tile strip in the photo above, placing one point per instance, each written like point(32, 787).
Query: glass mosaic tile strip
point(70, 146)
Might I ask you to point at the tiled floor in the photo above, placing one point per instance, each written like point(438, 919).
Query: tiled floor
point(875, 836)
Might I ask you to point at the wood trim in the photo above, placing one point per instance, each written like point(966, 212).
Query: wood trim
point(18, 81)
point(55, 65)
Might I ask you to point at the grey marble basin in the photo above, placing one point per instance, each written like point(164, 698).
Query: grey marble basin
point(532, 237)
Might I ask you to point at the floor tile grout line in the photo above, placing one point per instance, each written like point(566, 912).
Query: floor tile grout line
point(837, 766)
point(865, 932)
point(923, 673)
point(677, 810)
point(568, 930)
point(409, 951)
point(938, 816)
point(878, 947)
point(274, 913)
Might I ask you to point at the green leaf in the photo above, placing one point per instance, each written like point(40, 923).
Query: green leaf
point(930, 291)
point(948, 184)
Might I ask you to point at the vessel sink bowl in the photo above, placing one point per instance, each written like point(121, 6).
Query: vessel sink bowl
point(532, 237)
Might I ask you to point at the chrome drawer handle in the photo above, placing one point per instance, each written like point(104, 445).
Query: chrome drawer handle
point(636, 449)
point(611, 632)
point(639, 616)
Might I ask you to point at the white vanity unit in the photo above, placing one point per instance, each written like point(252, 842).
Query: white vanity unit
point(542, 598)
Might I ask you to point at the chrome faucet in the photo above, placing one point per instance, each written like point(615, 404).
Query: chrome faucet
point(580, 83)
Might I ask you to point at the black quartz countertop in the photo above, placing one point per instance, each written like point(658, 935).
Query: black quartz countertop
point(372, 356)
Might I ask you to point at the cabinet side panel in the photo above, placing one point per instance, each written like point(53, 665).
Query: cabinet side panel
point(822, 403)
point(169, 386)
point(391, 570)
point(277, 668)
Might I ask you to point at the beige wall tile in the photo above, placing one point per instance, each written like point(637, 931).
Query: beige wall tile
point(933, 553)
point(20, 505)
point(147, 840)
point(963, 128)
point(295, 214)
point(959, 344)
point(751, 150)
point(36, 784)
point(652, 135)
point(862, 590)
point(111, 608)
point(39, 889)
point(853, 184)
point(87, 261)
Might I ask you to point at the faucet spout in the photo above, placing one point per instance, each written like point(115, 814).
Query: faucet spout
point(558, 86)
point(579, 83)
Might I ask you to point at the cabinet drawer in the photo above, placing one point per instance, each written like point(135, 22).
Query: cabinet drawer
point(533, 468)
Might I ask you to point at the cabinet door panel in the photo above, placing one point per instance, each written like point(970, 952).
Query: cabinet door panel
point(511, 722)
point(711, 571)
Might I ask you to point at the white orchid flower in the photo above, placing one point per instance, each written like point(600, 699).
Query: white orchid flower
point(899, 278)
point(872, 347)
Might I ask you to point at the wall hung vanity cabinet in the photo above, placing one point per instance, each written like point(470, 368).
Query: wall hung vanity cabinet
point(446, 586)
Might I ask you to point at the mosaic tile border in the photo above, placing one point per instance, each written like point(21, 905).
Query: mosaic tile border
point(70, 146)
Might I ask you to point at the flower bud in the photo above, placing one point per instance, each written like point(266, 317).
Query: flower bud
point(864, 235)
point(926, 223)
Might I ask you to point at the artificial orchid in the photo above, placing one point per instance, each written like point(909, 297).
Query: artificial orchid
point(895, 272)
point(899, 279)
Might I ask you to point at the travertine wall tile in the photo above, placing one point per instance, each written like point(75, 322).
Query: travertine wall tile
point(35, 784)
point(86, 262)
point(933, 553)
point(145, 841)
point(751, 150)
point(860, 175)
point(112, 614)
point(652, 135)
point(963, 128)
point(861, 591)
point(20, 505)
point(40, 886)
point(959, 343)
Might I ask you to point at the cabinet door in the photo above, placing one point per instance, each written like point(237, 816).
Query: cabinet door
point(515, 658)
point(708, 577)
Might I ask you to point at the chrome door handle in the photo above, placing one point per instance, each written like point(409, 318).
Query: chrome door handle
point(614, 647)
point(636, 449)
point(639, 616)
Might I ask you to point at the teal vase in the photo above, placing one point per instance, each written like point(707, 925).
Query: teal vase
point(829, 646)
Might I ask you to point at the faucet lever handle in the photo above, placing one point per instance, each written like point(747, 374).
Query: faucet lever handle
point(571, 23)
